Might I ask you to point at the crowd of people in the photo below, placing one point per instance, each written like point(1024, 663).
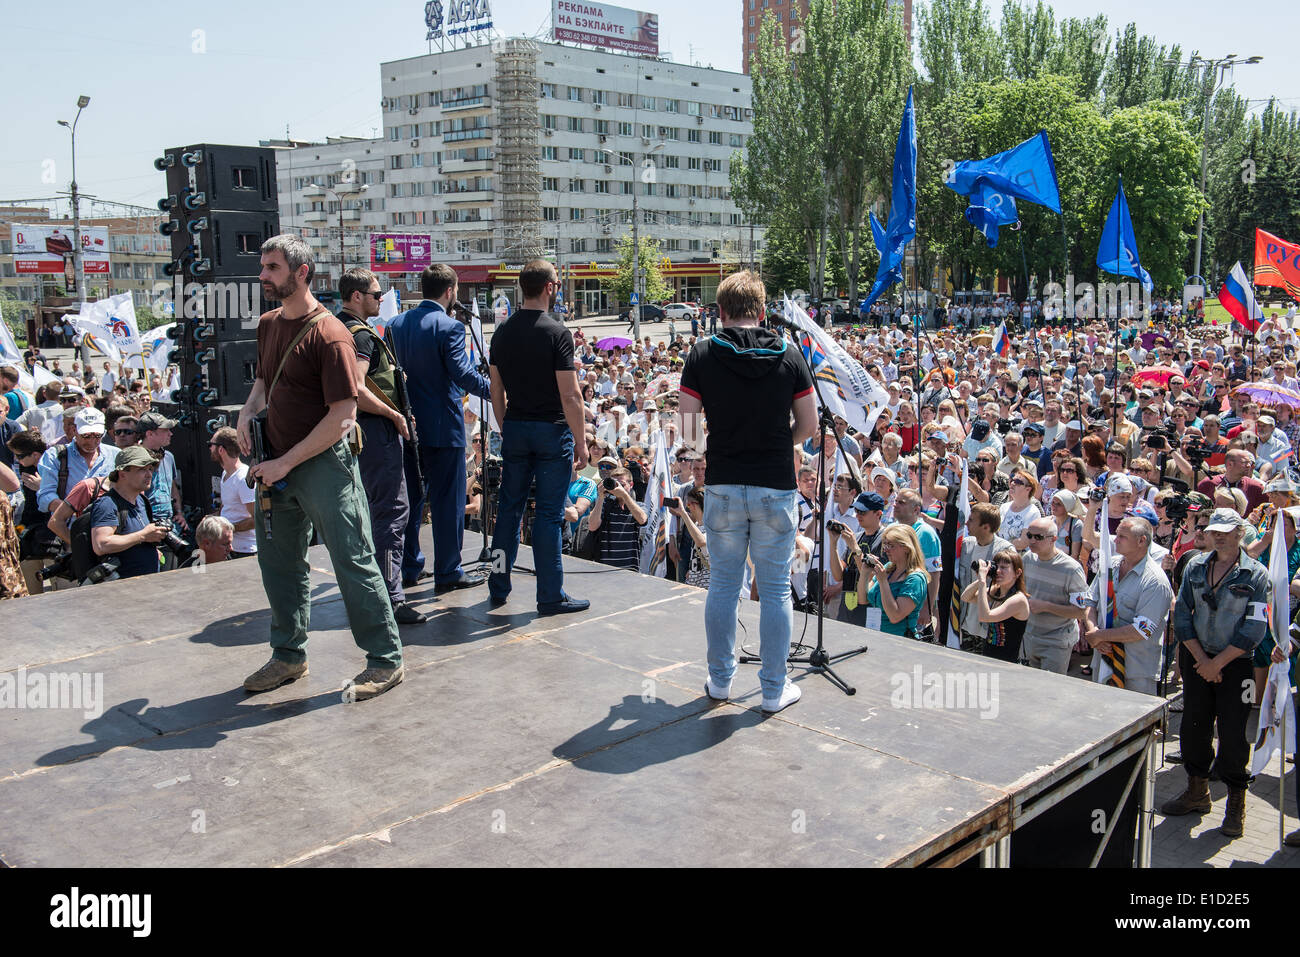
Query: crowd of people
point(1160, 444)
point(1176, 442)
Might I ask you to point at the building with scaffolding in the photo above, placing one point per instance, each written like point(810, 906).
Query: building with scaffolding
point(494, 153)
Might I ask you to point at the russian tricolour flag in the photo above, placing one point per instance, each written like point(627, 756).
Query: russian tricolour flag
point(1001, 341)
point(1238, 297)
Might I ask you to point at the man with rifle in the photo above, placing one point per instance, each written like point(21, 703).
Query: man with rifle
point(387, 427)
point(307, 389)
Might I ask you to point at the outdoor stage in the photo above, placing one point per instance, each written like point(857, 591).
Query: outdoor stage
point(517, 740)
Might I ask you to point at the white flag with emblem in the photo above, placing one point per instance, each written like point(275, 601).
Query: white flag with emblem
point(1277, 712)
point(847, 388)
point(654, 542)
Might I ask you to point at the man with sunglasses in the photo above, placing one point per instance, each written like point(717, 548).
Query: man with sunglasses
point(1058, 599)
point(1220, 617)
point(384, 432)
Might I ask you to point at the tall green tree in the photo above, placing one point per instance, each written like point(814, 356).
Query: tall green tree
point(652, 278)
point(822, 142)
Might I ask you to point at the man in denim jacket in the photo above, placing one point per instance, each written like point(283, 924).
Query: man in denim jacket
point(1220, 616)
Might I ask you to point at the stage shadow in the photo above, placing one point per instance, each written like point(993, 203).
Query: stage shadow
point(655, 732)
point(222, 713)
point(253, 627)
point(446, 629)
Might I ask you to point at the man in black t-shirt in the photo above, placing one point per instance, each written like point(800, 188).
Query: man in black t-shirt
point(536, 399)
point(747, 380)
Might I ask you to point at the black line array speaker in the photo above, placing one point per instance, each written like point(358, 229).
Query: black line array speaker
point(222, 204)
point(228, 177)
point(219, 311)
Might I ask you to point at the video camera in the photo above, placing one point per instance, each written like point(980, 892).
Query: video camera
point(1178, 505)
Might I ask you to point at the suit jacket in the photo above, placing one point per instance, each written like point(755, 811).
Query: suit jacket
point(430, 345)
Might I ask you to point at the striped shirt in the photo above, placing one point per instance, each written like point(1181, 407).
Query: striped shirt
point(620, 537)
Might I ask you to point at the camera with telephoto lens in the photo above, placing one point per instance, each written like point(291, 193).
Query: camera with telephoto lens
point(171, 541)
point(1004, 426)
point(60, 568)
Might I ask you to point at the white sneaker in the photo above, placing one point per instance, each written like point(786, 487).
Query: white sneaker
point(789, 695)
point(716, 692)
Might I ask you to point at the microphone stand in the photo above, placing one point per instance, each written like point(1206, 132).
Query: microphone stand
point(817, 659)
point(485, 553)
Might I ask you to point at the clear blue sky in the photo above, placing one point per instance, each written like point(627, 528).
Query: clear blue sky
point(315, 68)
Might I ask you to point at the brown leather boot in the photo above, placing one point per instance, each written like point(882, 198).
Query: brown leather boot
point(1195, 800)
point(1234, 819)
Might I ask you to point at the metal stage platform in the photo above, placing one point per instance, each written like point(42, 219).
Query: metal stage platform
point(517, 740)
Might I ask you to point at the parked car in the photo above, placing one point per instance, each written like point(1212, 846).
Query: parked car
point(681, 310)
point(649, 313)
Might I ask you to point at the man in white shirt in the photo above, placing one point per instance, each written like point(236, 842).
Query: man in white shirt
point(47, 416)
point(236, 496)
point(108, 381)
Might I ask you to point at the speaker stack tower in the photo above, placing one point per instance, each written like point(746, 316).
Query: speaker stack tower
point(222, 205)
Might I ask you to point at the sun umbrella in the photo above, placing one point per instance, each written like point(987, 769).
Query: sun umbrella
point(613, 342)
point(1266, 393)
point(669, 381)
point(1157, 374)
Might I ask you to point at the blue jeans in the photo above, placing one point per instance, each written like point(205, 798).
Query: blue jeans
point(544, 450)
point(760, 522)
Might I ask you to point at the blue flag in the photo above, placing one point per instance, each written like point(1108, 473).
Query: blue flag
point(901, 227)
point(1117, 253)
point(990, 209)
point(1025, 172)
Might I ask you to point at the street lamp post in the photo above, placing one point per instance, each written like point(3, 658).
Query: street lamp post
point(1215, 72)
point(338, 198)
point(77, 259)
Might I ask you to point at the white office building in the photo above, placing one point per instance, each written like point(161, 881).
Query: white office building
point(501, 152)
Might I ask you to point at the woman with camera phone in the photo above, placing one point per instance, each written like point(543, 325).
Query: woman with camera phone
point(1003, 604)
point(898, 589)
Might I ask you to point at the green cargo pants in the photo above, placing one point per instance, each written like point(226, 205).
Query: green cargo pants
point(324, 492)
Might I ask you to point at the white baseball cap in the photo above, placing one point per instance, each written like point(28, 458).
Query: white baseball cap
point(90, 422)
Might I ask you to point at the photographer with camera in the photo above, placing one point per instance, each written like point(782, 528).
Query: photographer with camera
point(619, 518)
point(123, 530)
point(155, 432)
point(865, 539)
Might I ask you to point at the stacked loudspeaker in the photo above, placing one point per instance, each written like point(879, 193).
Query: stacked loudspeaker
point(222, 205)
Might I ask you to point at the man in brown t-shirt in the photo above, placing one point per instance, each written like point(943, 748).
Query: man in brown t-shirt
point(311, 408)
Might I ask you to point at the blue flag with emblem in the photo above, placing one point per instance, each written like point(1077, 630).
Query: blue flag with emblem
point(900, 229)
point(1117, 253)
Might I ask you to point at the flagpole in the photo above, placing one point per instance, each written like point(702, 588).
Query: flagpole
point(1038, 361)
point(1114, 382)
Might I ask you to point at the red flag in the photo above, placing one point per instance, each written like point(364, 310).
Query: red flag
point(1277, 263)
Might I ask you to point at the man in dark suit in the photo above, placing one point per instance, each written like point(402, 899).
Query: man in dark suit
point(430, 346)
